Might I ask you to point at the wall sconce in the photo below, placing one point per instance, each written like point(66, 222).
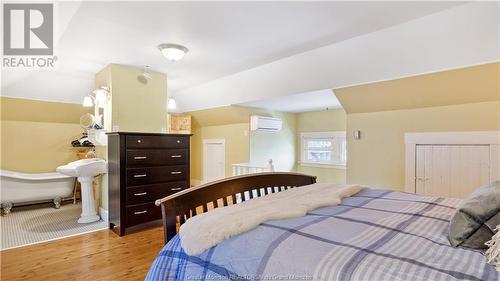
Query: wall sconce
point(97, 99)
point(172, 105)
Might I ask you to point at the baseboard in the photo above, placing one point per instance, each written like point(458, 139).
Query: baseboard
point(195, 182)
point(104, 214)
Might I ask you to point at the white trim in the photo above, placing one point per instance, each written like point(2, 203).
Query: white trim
point(104, 214)
point(475, 137)
point(438, 138)
point(326, 166)
point(213, 141)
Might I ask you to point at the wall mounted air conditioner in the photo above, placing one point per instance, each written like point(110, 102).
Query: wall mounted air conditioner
point(263, 123)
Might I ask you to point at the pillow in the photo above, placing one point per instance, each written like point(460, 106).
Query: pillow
point(476, 217)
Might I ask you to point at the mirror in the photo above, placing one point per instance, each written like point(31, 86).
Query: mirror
point(87, 121)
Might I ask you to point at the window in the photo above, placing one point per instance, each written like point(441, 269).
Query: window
point(323, 148)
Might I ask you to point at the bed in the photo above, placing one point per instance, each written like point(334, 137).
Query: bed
point(374, 235)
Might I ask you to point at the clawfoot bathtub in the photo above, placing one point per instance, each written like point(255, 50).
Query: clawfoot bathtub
point(25, 188)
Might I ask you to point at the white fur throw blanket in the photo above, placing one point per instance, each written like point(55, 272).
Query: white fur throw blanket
point(493, 252)
point(206, 230)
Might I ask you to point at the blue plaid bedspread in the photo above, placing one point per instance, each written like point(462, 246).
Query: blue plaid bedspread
point(374, 235)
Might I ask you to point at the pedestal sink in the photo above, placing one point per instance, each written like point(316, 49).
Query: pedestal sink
point(85, 170)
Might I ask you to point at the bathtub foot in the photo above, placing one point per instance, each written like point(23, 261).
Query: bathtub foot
point(57, 202)
point(6, 207)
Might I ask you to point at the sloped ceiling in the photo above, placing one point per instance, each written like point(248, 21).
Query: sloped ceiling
point(248, 51)
point(310, 101)
point(464, 35)
point(466, 85)
point(224, 38)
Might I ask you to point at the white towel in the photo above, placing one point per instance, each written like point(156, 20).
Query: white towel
point(206, 230)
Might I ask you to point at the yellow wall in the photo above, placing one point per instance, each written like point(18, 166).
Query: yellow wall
point(378, 159)
point(221, 116)
point(37, 147)
point(36, 135)
point(40, 111)
point(237, 144)
point(321, 121)
point(138, 104)
point(232, 124)
point(279, 146)
point(466, 99)
point(459, 86)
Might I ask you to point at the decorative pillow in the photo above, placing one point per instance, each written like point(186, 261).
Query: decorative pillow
point(476, 217)
point(493, 252)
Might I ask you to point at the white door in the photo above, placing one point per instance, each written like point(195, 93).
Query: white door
point(451, 170)
point(214, 163)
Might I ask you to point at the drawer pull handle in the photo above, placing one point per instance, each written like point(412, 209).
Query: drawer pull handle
point(176, 156)
point(178, 141)
point(176, 188)
point(139, 141)
point(140, 194)
point(140, 157)
point(139, 176)
point(176, 173)
point(140, 212)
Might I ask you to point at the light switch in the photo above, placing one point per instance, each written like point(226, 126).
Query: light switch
point(356, 134)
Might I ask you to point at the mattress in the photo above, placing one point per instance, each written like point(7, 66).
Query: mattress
point(373, 235)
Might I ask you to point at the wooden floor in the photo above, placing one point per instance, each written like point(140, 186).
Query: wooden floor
point(100, 255)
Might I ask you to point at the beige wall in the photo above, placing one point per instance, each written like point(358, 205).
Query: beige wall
point(37, 147)
point(321, 121)
point(36, 135)
point(232, 124)
point(466, 99)
point(279, 146)
point(377, 159)
point(458, 86)
point(237, 144)
point(138, 105)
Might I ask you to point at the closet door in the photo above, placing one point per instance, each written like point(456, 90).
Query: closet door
point(451, 170)
point(420, 163)
point(475, 170)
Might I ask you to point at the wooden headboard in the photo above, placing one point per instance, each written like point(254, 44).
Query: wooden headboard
point(183, 205)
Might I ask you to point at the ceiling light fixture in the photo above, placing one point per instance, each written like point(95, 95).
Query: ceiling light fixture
point(173, 52)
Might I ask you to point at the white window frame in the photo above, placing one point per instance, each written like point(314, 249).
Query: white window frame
point(323, 135)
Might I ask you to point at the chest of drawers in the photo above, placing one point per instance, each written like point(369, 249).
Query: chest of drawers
point(143, 167)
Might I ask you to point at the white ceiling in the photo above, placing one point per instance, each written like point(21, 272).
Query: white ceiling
point(311, 101)
point(461, 36)
point(224, 38)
